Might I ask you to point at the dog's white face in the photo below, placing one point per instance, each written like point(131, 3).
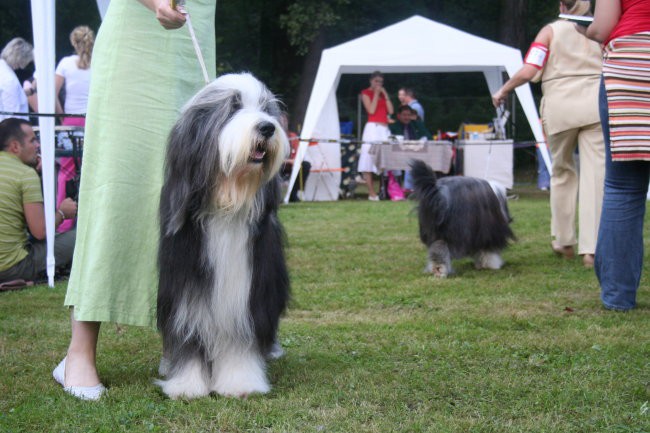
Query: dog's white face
point(237, 120)
point(252, 138)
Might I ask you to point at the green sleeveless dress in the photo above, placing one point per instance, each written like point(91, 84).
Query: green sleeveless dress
point(142, 75)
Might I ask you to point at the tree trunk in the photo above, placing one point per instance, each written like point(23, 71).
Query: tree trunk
point(307, 77)
point(512, 23)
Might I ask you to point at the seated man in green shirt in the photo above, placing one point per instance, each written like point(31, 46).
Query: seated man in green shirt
point(410, 128)
point(21, 207)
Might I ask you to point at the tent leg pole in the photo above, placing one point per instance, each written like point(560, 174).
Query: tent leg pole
point(513, 122)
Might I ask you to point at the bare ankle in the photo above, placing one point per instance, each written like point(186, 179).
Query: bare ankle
point(80, 369)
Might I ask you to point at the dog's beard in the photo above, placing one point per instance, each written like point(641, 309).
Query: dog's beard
point(236, 191)
point(234, 194)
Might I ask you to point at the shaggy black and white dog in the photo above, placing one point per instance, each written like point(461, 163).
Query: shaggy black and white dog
point(460, 216)
point(223, 277)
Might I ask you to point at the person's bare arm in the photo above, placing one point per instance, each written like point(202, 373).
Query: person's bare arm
point(58, 84)
point(35, 216)
point(32, 100)
point(526, 73)
point(523, 76)
point(369, 105)
point(606, 15)
point(168, 17)
point(32, 97)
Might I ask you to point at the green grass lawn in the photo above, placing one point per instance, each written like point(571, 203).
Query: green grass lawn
point(372, 343)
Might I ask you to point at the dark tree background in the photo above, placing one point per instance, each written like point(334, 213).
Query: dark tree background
point(281, 41)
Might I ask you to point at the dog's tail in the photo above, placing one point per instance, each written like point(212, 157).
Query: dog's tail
point(500, 192)
point(424, 180)
point(432, 205)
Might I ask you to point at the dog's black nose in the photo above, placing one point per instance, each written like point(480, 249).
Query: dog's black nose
point(266, 129)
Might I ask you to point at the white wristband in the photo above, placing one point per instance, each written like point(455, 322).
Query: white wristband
point(62, 214)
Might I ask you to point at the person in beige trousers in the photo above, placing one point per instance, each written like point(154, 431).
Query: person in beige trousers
point(569, 66)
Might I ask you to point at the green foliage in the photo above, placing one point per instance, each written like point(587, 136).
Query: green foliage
point(249, 38)
point(372, 343)
point(15, 21)
point(478, 18)
point(304, 19)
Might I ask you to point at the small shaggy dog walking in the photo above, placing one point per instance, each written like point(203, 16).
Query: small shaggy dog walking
point(223, 277)
point(460, 216)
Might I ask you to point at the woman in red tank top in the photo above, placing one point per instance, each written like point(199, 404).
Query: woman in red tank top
point(624, 27)
point(378, 106)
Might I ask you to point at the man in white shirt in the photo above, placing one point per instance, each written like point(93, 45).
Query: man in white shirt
point(406, 96)
point(17, 54)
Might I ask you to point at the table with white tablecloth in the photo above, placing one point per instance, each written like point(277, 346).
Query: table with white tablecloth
point(486, 159)
point(396, 156)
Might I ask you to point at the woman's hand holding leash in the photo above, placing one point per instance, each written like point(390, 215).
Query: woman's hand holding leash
point(167, 14)
point(499, 98)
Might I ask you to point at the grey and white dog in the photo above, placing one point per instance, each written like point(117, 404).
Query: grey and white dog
point(223, 278)
point(460, 216)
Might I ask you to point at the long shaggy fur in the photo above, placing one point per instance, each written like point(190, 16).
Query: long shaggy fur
point(460, 216)
point(223, 278)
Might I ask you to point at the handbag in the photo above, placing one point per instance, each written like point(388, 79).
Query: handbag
point(72, 184)
point(395, 191)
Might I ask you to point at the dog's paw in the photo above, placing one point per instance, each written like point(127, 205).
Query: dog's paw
point(242, 388)
point(189, 383)
point(276, 352)
point(178, 389)
point(488, 260)
point(240, 377)
point(440, 271)
point(437, 270)
point(163, 367)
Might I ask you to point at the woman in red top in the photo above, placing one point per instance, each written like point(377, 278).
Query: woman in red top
point(624, 27)
point(378, 106)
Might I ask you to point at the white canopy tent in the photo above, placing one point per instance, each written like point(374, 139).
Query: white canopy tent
point(103, 6)
point(44, 30)
point(43, 26)
point(415, 45)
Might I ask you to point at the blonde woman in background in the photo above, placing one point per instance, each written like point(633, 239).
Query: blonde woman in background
point(73, 75)
point(569, 67)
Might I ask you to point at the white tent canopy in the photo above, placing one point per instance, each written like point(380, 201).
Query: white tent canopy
point(415, 45)
point(43, 12)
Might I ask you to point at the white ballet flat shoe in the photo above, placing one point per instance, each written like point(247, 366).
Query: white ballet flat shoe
point(93, 393)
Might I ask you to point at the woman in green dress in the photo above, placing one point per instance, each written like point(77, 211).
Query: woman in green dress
point(144, 70)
